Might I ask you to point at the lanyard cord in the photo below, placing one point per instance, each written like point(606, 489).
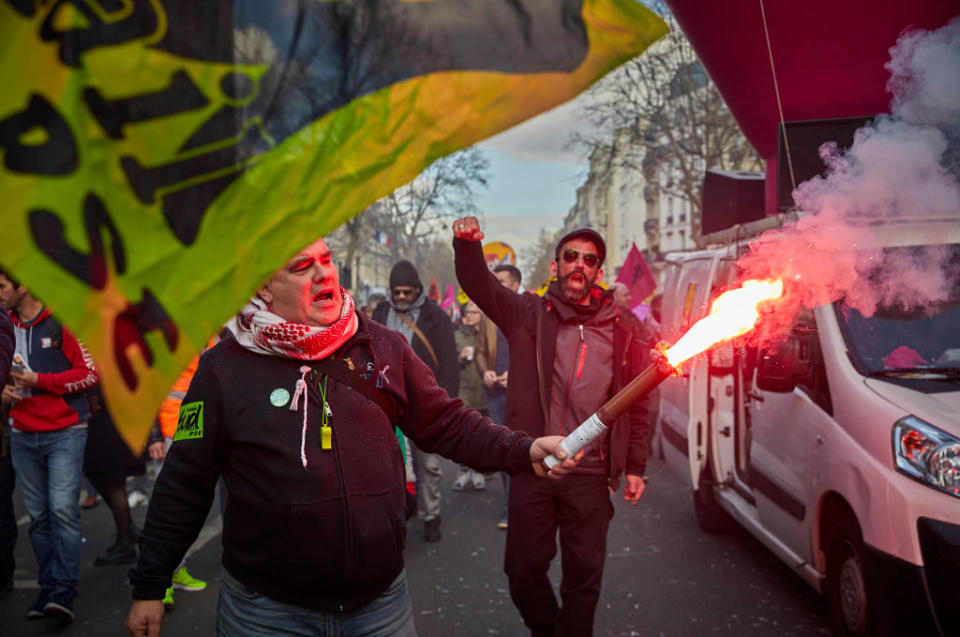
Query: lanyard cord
point(325, 415)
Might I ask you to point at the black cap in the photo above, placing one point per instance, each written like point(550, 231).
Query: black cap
point(405, 273)
point(583, 233)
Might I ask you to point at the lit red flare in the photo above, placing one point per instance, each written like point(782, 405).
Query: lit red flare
point(732, 314)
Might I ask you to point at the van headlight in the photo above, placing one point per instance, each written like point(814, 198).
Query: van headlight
point(927, 454)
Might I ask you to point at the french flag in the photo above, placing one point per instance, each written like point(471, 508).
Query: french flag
point(383, 238)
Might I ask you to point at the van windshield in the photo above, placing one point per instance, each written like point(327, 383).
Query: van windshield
point(919, 342)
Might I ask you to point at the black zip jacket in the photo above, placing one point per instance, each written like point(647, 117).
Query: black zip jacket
point(531, 323)
point(330, 535)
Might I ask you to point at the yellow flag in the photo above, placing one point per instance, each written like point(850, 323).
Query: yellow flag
point(160, 158)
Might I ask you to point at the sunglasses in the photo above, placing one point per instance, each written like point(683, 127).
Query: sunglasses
point(404, 291)
point(570, 256)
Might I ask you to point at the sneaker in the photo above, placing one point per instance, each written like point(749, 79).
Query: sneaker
point(36, 608)
point(135, 498)
point(60, 608)
point(502, 524)
point(168, 599)
point(183, 581)
point(479, 483)
point(90, 501)
point(461, 482)
point(122, 552)
point(431, 530)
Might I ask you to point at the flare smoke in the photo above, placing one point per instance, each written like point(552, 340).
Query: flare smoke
point(903, 166)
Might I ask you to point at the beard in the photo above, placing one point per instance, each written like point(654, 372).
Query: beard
point(405, 304)
point(572, 294)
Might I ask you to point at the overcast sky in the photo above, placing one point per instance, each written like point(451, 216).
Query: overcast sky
point(534, 177)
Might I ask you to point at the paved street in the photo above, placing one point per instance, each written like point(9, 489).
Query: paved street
point(663, 576)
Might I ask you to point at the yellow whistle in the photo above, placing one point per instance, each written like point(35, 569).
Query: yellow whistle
point(326, 438)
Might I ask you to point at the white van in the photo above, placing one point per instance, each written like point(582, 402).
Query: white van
point(839, 456)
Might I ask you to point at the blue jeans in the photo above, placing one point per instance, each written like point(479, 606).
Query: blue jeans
point(243, 612)
point(49, 469)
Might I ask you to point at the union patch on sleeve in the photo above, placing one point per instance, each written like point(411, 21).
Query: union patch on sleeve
point(190, 423)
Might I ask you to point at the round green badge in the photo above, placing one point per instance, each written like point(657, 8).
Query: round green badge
point(279, 397)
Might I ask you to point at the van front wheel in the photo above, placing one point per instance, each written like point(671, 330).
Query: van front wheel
point(846, 586)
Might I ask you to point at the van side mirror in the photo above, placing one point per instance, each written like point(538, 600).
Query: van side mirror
point(780, 365)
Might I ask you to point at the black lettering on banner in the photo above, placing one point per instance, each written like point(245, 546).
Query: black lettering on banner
point(56, 155)
point(180, 96)
point(48, 233)
point(26, 8)
point(184, 207)
point(223, 125)
point(129, 328)
point(121, 21)
point(145, 181)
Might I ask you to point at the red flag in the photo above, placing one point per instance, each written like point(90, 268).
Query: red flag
point(434, 293)
point(636, 275)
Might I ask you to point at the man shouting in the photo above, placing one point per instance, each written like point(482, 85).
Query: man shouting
point(570, 351)
point(297, 413)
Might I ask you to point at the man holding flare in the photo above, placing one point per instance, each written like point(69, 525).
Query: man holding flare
point(570, 351)
point(297, 413)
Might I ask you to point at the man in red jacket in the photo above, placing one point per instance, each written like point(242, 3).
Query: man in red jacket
point(52, 374)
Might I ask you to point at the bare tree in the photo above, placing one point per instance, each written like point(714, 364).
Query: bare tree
point(357, 239)
point(661, 115)
point(347, 242)
point(425, 207)
point(417, 219)
point(438, 264)
point(538, 258)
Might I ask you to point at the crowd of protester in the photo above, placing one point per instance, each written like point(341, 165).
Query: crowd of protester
point(410, 359)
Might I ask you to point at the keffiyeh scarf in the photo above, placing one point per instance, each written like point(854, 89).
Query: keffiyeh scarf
point(263, 332)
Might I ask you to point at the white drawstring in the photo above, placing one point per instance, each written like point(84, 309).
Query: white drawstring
point(301, 390)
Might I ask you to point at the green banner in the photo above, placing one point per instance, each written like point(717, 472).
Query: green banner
point(161, 158)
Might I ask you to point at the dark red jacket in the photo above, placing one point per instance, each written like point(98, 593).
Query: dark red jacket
point(65, 373)
point(531, 323)
point(329, 535)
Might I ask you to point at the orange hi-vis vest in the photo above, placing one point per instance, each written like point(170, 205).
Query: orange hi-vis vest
point(170, 407)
